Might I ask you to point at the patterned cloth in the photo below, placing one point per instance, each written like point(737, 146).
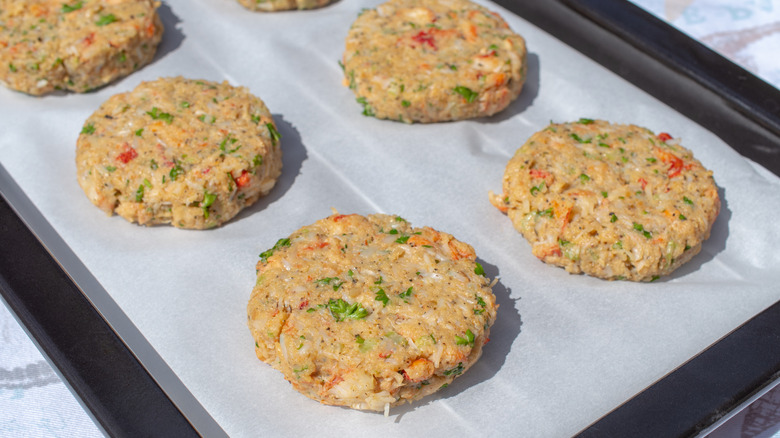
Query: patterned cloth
point(35, 403)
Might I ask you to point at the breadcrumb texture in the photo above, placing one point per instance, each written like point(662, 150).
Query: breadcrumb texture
point(283, 5)
point(608, 200)
point(75, 45)
point(433, 61)
point(190, 153)
point(369, 312)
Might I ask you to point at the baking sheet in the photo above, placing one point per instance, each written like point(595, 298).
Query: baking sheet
point(565, 349)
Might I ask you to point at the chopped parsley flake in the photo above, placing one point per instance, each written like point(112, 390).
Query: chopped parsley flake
point(406, 294)
point(139, 132)
point(208, 200)
point(156, 114)
point(275, 136)
point(687, 201)
point(467, 93)
point(139, 194)
point(88, 129)
point(584, 121)
point(545, 213)
point(367, 110)
point(402, 239)
point(478, 269)
point(481, 303)
point(279, 243)
point(70, 8)
point(175, 172)
point(382, 296)
point(458, 370)
point(106, 20)
point(641, 229)
point(467, 340)
point(342, 310)
point(579, 139)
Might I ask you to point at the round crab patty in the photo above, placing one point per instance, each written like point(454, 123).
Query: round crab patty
point(369, 312)
point(283, 5)
point(612, 201)
point(433, 61)
point(191, 153)
point(75, 45)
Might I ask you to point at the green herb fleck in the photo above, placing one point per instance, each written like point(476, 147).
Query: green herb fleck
point(156, 114)
point(579, 139)
point(613, 217)
point(175, 172)
point(139, 194)
point(342, 310)
point(545, 213)
point(88, 129)
point(406, 294)
point(405, 103)
point(70, 8)
point(367, 110)
point(208, 200)
point(683, 218)
point(584, 121)
point(110, 168)
point(279, 243)
point(481, 303)
point(687, 201)
point(382, 296)
point(458, 370)
point(642, 230)
point(106, 20)
point(139, 132)
point(478, 269)
point(467, 93)
point(402, 239)
point(275, 136)
point(584, 178)
point(467, 340)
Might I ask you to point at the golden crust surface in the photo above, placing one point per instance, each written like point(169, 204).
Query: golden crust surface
point(179, 151)
point(369, 312)
point(612, 201)
point(433, 61)
point(75, 45)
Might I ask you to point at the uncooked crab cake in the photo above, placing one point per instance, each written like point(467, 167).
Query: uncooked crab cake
point(283, 5)
point(190, 153)
point(76, 45)
point(369, 312)
point(612, 201)
point(433, 61)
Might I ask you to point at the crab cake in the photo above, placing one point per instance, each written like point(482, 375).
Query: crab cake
point(283, 5)
point(613, 201)
point(186, 152)
point(369, 312)
point(433, 61)
point(76, 45)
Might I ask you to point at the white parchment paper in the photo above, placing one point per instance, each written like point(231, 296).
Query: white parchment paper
point(565, 349)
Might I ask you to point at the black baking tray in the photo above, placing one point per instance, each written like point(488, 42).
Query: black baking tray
point(125, 400)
